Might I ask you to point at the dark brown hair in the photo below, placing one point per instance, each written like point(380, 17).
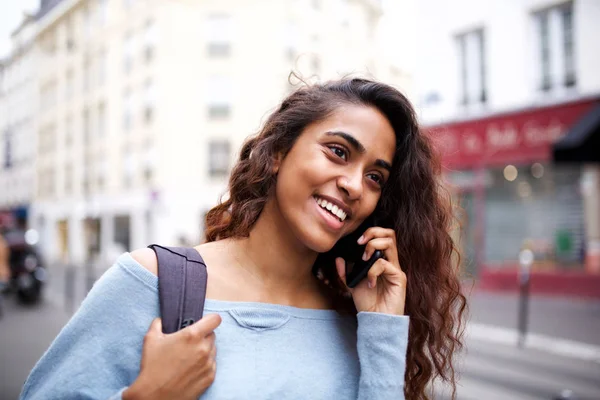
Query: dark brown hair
point(413, 203)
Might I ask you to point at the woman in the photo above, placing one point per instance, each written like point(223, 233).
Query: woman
point(328, 158)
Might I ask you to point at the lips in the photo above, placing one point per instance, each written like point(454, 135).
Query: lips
point(334, 206)
point(330, 221)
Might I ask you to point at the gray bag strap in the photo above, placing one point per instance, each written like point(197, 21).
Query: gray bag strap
point(182, 281)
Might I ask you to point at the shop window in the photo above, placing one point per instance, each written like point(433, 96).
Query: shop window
point(535, 206)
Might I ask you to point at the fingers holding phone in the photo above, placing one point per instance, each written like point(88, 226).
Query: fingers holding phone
point(384, 287)
point(383, 239)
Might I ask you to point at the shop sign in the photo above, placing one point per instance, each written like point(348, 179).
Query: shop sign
point(520, 137)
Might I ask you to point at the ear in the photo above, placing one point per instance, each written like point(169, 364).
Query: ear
point(277, 159)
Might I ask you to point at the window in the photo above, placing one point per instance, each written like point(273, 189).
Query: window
point(69, 86)
point(48, 96)
point(555, 47)
point(568, 45)
point(101, 120)
point(102, 171)
point(87, 21)
point(471, 56)
point(8, 156)
point(149, 161)
point(544, 52)
point(150, 38)
point(47, 139)
point(128, 168)
point(128, 53)
point(101, 66)
point(219, 34)
point(149, 99)
point(127, 110)
point(102, 12)
point(86, 126)
point(292, 39)
point(218, 157)
point(316, 64)
point(68, 179)
point(69, 131)
point(220, 91)
point(69, 40)
point(86, 74)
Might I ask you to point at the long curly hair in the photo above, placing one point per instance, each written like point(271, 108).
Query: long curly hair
point(413, 202)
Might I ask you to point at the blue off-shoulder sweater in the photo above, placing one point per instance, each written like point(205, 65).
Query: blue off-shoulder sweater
point(264, 351)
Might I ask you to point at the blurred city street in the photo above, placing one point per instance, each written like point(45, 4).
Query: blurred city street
point(26, 333)
point(121, 122)
point(567, 356)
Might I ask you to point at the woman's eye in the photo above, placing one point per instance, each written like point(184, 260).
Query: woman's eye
point(376, 178)
point(339, 151)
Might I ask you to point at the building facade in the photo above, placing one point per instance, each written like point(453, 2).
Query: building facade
point(144, 104)
point(500, 83)
point(18, 110)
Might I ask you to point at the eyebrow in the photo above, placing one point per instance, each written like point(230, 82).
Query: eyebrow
point(358, 147)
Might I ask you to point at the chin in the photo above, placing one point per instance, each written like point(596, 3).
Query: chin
point(319, 241)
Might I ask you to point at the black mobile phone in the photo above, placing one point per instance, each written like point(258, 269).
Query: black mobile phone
point(348, 248)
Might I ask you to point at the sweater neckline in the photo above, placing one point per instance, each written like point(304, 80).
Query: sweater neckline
point(307, 313)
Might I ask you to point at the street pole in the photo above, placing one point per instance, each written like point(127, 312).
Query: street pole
point(525, 261)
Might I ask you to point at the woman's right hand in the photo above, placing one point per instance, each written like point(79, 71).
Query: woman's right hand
point(180, 365)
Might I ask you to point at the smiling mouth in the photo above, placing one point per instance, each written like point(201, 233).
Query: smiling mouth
point(331, 208)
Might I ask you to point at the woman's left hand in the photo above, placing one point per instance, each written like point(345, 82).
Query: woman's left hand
point(383, 290)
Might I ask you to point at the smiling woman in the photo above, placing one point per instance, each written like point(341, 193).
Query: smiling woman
point(337, 163)
point(356, 145)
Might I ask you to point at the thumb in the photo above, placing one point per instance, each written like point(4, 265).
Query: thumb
point(206, 325)
point(155, 326)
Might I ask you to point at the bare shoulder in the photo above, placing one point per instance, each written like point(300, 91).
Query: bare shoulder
point(147, 258)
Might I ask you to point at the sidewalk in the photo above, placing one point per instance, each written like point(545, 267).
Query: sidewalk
point(566, 318)
point(26, 333)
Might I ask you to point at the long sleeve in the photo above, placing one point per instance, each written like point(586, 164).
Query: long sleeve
point(97, 354)
point(382, 341)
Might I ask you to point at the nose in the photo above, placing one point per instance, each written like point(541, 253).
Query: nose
point(351, 185)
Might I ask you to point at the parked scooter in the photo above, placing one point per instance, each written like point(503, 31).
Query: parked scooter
point(28, 273)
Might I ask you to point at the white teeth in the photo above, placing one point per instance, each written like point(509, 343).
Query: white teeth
point(335, 210)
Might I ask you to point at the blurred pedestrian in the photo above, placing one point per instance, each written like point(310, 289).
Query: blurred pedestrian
point(4, 270)
point(329, 158)
point(4, 264)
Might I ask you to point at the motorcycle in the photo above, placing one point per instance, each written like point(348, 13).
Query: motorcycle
point(28, 273)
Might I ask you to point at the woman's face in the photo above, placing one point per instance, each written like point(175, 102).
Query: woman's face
point(332, 178)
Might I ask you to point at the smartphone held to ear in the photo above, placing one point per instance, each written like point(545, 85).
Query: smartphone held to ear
point(352, 252)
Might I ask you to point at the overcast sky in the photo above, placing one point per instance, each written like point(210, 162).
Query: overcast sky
point(11, 12)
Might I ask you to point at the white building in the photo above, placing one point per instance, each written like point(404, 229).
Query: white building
point(145, 103)
point(500, 82)
point(18, 109)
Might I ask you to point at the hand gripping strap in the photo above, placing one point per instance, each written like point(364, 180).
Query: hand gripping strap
point(182, 280)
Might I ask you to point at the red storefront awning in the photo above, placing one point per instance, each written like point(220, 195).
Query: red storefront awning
point(510, 138)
